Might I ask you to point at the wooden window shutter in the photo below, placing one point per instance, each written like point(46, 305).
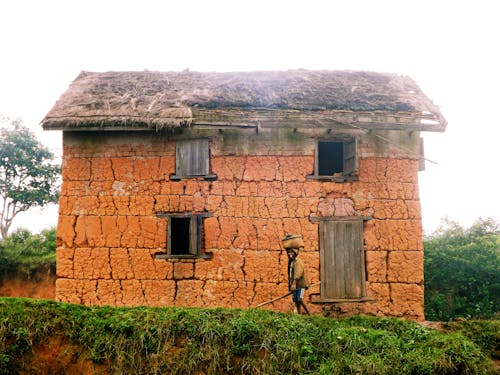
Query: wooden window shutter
point(194, 235)
point(342, 259)
point(192, 157)
point(350, 158)
point(421, 159)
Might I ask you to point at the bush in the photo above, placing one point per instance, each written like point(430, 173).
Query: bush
point(462, 271)
point(25, 254)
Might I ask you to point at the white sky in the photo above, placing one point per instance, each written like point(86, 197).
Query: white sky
point(450, 48)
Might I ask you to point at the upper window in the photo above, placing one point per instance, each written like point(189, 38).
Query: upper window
point(336, 159)
point(192, 159)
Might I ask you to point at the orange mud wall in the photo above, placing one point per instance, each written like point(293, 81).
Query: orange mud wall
point(108, 231)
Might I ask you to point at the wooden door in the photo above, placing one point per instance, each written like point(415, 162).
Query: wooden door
point(342, 259)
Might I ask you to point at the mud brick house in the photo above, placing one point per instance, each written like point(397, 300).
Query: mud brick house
point(179, 186)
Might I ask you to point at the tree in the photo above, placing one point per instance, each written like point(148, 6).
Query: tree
point(462, 271)
point(28, 176)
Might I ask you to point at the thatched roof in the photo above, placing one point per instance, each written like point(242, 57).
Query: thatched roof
point(169, 99)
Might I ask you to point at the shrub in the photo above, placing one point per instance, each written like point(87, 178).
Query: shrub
point(462, 271)
point(25, 254)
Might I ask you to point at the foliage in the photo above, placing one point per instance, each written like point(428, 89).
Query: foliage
point(28, 177)
point(25, 254)
point(175, 340)
point(462, 271)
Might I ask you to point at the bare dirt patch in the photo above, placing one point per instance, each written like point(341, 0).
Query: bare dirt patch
point(41, 286)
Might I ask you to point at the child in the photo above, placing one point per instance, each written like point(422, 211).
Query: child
point(297, 278)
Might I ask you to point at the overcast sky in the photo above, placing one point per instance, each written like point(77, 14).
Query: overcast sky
point(450, 48)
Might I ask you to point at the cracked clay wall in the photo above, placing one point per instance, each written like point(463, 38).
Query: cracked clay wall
point(114, 184)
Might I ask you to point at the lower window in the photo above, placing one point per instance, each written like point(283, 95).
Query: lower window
point(184, 234)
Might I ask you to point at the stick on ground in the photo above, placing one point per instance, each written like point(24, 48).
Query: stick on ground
point(283, 296)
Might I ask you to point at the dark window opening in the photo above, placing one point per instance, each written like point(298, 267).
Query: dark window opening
point(180, 235)
point(336, 160)
point(184, 235)
point(330, 158)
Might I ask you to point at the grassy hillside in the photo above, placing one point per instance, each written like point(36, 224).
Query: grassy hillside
point(41, 336)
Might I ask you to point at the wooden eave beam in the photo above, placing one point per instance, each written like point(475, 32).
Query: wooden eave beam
point(319, 119)
point(279, 118)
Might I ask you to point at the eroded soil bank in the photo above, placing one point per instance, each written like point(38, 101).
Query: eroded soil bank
point(40, 286)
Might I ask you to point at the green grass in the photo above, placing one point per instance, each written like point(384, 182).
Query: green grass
point(228, 341)
point(485, 333)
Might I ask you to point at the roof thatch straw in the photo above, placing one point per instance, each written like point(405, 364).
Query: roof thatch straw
point(165, 99)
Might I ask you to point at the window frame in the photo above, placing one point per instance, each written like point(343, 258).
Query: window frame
point(196, 235)
point(187, 150)
point(350, 168)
